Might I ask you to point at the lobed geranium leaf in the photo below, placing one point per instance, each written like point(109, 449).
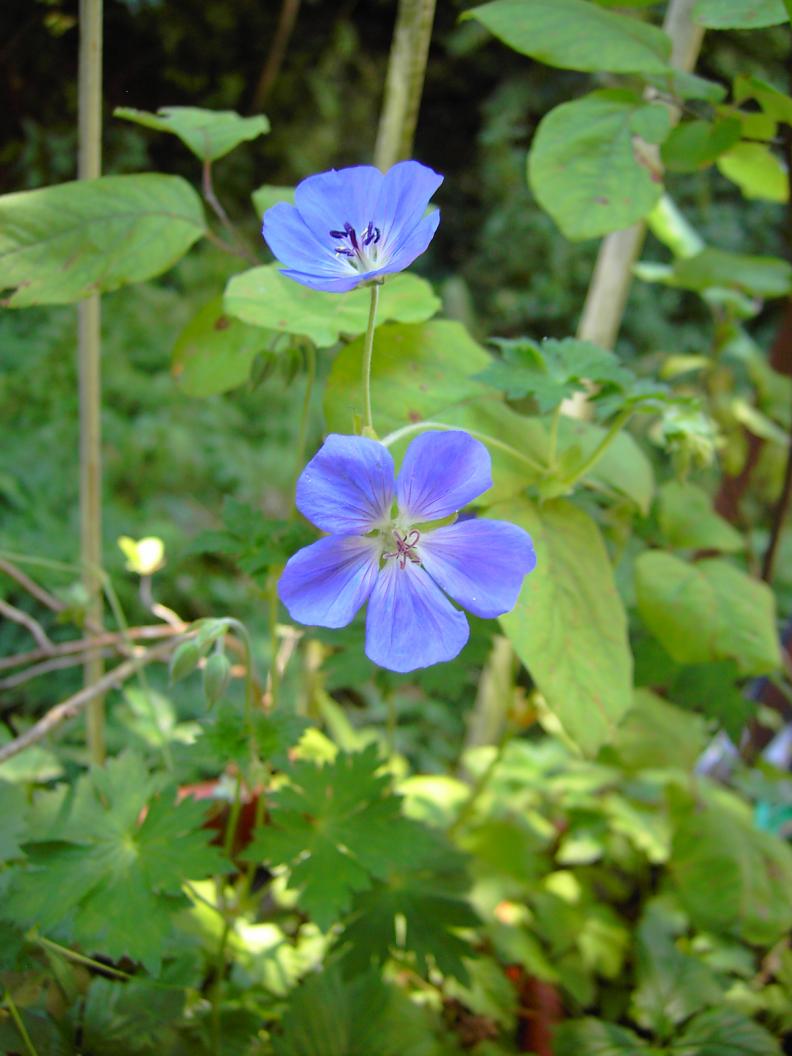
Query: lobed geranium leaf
point(725, 1032)
point(209, 134)
point(595, 1037)
point(62, 243)
point(336, 827)
point(576, 35)
point(584, 168)
point(569, 627)
point(115, 846)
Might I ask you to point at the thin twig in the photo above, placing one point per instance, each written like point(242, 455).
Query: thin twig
point(71, 707)
point(243, 250)
point(24, 581)
point(56, 663)
point(11, 612)
point(114, 639)
point(277, 52)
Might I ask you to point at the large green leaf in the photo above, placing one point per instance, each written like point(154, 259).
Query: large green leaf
point(739, 14)
point(756, 276)
point(569, 627)
point(583, 166)
point(688, 520)
point(695, 144)
point(724, 1032)
point(576, 35)
point(263, 297)
point(709, 610)
point(731, 876)
point(213, 353)
point(756, 171)
point(60, 244)
point(657, 734)
point(208, 133)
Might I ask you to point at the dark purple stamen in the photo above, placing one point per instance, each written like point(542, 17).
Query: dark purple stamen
point(405, 548)
point(338, 234)
point(368, 235)
point(344, 252)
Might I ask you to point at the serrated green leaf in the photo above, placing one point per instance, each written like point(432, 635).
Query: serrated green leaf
point(706, 611)
point(583, 167)
point(687, 520)
point(595, 1037)
point(209, 134)
point(756, 171)
point(116, 847)
point(131, 1017)
point(576, 35)
point(214, 353)
point(336, 826)
point(263, 297)
point(739, 14)
point(568, 626)
point(62, 243)
point(753, 870)
point(724, 1032)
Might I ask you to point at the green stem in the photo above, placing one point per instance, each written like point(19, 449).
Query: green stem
point(272, 594)
point(417, 427)
point(19, 1024)
point(404, 81)
point(89, 357)
point(615, 428)
point(368, 349)
point(217, 989)
point(305, 414)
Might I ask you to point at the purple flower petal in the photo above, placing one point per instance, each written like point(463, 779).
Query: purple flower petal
point(480, 564)
point(441, 473)
point(331, 199)
point(410, 623)
point(347, 487)
point(405, 250)
point(339, 284)
point(293, 244)
point(403, 198)
point(324, 584)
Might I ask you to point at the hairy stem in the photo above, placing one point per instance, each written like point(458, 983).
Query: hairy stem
point(368, 349)
point(240, 249)
point(404, 81)
point(492, 441)
point(89, 357)
point(20, 1025)
point(305, 414)
point(615, 428)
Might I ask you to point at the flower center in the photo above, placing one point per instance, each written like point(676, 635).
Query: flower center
point(359, 248)
point(405, 547)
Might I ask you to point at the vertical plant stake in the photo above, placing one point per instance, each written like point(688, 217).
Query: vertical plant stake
point(89, 354)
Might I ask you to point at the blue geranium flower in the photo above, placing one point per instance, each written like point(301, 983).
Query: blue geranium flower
point(349, 226)
point(388, 557)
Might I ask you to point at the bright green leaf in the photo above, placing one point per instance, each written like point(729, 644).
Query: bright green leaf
point(739, 14)
point(688, 521)
point(756, 171)
point(576, 35)
point(695, 144)
point(708, 610)
point(62, 243)
point(756, 276)
point(569, 627)
point(777, 105)
point(209, 134)
point(583, 166)
point(214, 352)
point(267, 196)
point(263, 297)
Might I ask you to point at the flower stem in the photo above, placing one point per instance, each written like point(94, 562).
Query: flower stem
point(305, 414)
point(368, 349)
point(616, 426)
point(20, 1025)
point(417, 427)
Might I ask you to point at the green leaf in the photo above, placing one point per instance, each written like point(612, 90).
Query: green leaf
point(739, 14)
point(132, 1017)
point(706, 611)
point(712, 689)
point(671, 985)
point(209, 134)
point(687, 520)
point(696, 144)
point(62, 243)
point(267, 196)
point(731, 876)
point(656, 734)
point(576, 35)
point(687, 86)
point(569, 627)
point(115, 846)
point(777, 105)
point(583, 166)
point(336, 826)
point(13, 804)
point(423, 889)
point(595, 1037)
point(724, 1032)
point(263, 297)
point(623, 468)
point(214, 353)
point(756, 171)
point(552, 370)
point(756, 276)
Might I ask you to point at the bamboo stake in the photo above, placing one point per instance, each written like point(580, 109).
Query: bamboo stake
point(404, 82)
point(89, 356)
point(610, 283)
